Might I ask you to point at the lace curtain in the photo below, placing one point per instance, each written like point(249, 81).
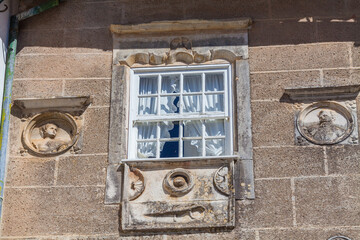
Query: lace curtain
point(191, 104)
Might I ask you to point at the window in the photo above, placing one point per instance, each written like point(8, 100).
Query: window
point(179, 112)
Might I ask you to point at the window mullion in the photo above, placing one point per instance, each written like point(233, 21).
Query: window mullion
point(158, 130)
point(203, 93)
point(203, 137)
point(158, 95)
point(181, 135)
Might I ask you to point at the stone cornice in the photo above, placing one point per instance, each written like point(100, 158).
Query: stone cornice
point(159, 27)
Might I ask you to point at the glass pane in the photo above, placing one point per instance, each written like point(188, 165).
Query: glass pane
point(214, 103)
point(192, 148)
point(147, 105)
point(148, 85)
point(169, 149)
point(146, 150)
point(192, 128)
point(215, 147)
point(192, 103)
point(214, 128)
point(169, 104)
point(170, 84)
point(192, 83)
point(147, 130)
point(169, 129)
point(214, 82)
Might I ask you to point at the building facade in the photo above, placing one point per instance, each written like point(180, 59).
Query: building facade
point(185, 120)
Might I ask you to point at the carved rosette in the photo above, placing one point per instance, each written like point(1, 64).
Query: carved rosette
point(178, 182)
point(136, 184)
point(50, 133)
point(325, 123)
point(221, 180)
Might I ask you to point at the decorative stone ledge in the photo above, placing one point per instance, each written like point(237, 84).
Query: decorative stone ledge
point(181, 26)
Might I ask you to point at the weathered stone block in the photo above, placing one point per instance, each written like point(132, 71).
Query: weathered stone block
point(57, 211)
point(296, 9)
point(327, 201)
point(63, 66)
point(40, 41)
point(30, 172)
point(36, 88)
point(272, 207)
point(339, 30)
point(98, 89)
point(343, 159)
point(271, 85)
point(96, 130)
point(341, 77)
point(314, 233)
point(82, 170)
point(88, 40)
point(331, 55)
point(356, 54)
point(288, 162)
point(273, 124)
point(277, 32)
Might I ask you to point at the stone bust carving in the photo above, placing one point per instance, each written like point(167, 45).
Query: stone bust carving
point(48, 142)
point(325, 129)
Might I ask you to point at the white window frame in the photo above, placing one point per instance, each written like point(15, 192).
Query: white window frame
point(135, 74)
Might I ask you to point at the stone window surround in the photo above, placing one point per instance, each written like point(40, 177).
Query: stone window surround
point(146, 45)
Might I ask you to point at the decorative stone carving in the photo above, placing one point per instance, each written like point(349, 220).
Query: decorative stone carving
point(339, 238)
point(324, 115)
point(325, 123)
point(221, 180)
point(178, 212)
point(181, 42)
point(137, 184)
point(178, 198)
point(50, 133)
point(178, 182)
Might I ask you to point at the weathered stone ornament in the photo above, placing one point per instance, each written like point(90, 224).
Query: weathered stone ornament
point(221, 180)
point(137, 184)
point(50, 133)
point(325, 123)
point(339, 238)
point(178, 195)
point(178, 182)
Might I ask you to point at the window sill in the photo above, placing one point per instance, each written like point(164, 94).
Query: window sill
point(180, 159)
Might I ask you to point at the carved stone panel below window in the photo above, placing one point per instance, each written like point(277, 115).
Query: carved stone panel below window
point(182, 195)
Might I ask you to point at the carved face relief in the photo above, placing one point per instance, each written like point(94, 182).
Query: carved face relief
point(325, 123)
point(50, 133)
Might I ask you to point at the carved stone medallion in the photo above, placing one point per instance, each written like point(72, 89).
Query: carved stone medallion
point(137, 184)
point(50, 133)
point(339, 238)
point(178, 182)
point(325, 123)
point(221, 180)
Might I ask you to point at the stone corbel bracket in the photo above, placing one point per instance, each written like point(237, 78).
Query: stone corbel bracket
point(324, 115)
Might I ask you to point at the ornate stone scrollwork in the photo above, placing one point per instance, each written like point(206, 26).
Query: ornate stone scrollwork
point(178, 182)
point(181, 42)
point(221, 180)
point(180, 55)
point(51, 133)
point(325, 123)
point(137, 184)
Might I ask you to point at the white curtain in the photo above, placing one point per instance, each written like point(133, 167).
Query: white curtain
point(147, 105)
point(169, 84)
point(214, 103)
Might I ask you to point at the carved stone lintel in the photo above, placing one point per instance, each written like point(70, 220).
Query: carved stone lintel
point(180, 55)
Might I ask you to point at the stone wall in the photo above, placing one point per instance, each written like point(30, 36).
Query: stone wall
point(302, 192)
